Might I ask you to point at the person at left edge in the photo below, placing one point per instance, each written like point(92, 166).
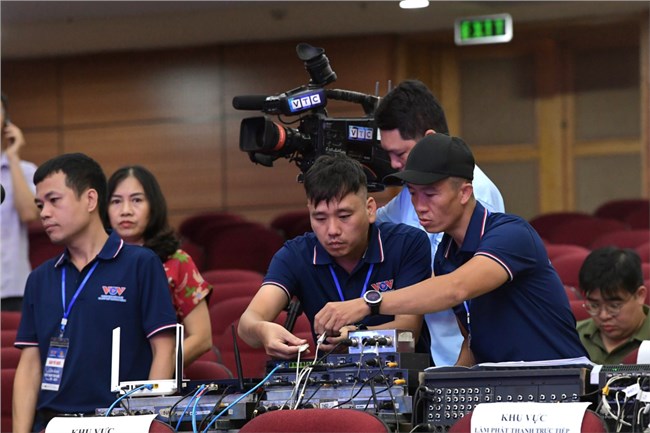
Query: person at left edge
point(97, 284)
point(17, 210)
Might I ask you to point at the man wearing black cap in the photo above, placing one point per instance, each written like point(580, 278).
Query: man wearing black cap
point(404, 115)
point(492, 268)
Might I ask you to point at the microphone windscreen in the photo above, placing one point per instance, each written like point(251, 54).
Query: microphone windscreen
point(249, 102)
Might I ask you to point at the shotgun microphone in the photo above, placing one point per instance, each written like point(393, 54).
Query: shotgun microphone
point(249, 102)
point(267, 104)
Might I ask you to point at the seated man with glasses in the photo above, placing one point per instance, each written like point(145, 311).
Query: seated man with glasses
point(612, 284)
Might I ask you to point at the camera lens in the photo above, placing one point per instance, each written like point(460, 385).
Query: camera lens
point(258, 134)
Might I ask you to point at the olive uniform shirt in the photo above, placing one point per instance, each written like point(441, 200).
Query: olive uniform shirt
point(591, 339)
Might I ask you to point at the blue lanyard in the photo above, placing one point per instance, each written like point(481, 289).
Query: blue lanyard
point(66, 311)
point(469, 327)
point(338, 286)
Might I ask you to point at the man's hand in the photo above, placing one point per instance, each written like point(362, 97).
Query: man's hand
point(280, 343)
point(14, 140)
point(333, 342)
point(335, 315)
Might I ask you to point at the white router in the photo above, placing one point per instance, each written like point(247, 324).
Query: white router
point(158, 387)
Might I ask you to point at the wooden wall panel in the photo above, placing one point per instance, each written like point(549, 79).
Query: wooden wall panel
point(261, 69)
point(184, 158)
point(40, 146)
point(133, 87)
point(32, 90)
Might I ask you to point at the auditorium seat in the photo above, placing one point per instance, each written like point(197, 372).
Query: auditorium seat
point(546, 222)
point(620, 209)
point(9, 357)
point(6, 393)
point(583, 232)
point(302, 324)
point(591, 423)
point(205, 370)
point(233, 290)
point(191, 227)
point(556, 250)
point(573, 293)
point(196, 252)
point(41, 248)
point(7, 337)
point(245, 287)
point(240, 245)
point(316, 421)
point(10, 319)
point(644, 252)
point(578, 309)
point(218, 276)
point(568, 267)
point(158, 426)
point(622, 239)
point(226, 312)
point(639, 219)
point(292, 223)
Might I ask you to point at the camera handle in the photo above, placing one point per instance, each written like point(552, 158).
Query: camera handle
point(368, 102)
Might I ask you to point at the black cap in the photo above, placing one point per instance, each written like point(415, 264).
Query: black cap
point(436, 157)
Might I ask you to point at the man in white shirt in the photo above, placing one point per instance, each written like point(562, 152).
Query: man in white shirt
point(17, 210)
point(404, 116)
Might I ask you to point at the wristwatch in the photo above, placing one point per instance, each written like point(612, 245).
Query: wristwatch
point(373, 299)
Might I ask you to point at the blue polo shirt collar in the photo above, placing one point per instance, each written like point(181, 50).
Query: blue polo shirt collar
point(109, 251)
point(475, 230)
point(374, 252)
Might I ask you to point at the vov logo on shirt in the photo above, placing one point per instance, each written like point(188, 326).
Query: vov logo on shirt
point(112, 293)
point(383, 286)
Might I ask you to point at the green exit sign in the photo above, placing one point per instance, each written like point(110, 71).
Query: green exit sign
point(486, 29)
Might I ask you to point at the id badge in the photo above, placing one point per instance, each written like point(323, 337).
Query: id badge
point(53, 370)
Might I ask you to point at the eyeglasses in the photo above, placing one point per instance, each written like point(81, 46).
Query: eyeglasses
point(611, 308)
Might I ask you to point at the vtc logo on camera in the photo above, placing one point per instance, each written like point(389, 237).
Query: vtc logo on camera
point(359, 133)
point(304, 102)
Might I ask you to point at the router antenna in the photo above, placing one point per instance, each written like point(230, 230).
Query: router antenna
point(240, 372)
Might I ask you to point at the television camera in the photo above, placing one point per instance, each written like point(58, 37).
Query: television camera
point(317, 134)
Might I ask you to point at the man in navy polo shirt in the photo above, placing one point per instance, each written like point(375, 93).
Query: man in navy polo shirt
point(404, 115)
point(492, 268)
point(73, 302)
point(347, 256)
